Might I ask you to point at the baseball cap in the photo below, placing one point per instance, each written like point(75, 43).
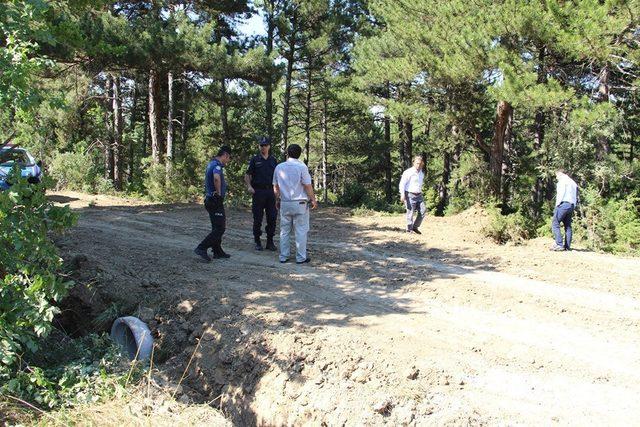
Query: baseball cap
point(265, 141)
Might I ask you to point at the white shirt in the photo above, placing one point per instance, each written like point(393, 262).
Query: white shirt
point(290, 176)
point(566, 190)
point(411, 181)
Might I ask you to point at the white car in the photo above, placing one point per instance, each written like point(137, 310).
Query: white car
point(10, 156)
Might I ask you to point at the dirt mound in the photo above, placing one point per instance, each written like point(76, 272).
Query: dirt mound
point(475, 217)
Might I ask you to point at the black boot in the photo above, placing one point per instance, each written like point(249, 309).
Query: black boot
point(218, 252)
point(270, 246)
point(221, 254)
point(258, 244)
point(202, 253)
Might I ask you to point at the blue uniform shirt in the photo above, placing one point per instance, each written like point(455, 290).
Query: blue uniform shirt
point(261, 170)
point(214, 167)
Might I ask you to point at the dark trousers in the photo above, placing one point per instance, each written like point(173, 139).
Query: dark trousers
point(215, 208)
point(264, 201)
point(415, 206)
point(563, 213)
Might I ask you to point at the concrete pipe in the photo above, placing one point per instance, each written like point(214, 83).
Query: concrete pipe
point(134, 336)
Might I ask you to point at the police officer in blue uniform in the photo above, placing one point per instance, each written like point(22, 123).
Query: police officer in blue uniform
point(215, 189)
point(259, 178)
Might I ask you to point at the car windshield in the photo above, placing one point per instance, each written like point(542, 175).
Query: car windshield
point(8, 157)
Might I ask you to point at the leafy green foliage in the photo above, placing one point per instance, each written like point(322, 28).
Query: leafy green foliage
point(73, 372)
point(76, 171)
point(172, 187)
point(611, 225)
point(29, 284)
point(514, 227)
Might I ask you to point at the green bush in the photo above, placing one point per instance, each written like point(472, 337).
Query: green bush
point(354, 195)
point(514, 227)
point(28, 264)
point(73, 372)
point(610, 225)
point(172, 187)
point(76, 171)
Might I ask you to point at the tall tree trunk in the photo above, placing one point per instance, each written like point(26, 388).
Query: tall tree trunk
point(271, 26)
point(506, 164)
point(290, 57)
point(185, 114)
point(501, 127)
point(108, 149)
point(117, 133)
point(603, 147)
point(132, 127)
point(408, 141)
point(325, 196)
point(455, 161)
point(405, 129)
point(388, 186)
point(443, 186)
point(146, 132)
point(170, 107)
point(388, 172)
point(307, 118)
point(538, 136)
point(224, 111)
point(153, 117)
point(402, 145)
point(427, 133)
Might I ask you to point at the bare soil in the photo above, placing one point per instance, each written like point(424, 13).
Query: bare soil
point(381, 328)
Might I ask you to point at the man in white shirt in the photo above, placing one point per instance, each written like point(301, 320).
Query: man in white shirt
point(411, 194)
point(566, 201)
point(293, 190)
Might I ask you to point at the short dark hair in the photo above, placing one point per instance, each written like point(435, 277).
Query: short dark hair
point(225, 149)
point(294, 151)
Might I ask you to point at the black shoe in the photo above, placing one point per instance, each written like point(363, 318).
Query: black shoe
point(415, 230)
point(259, 246)
point(270, 246)
point(410, 231)
point(202, 253)
point(221, 254)
point(283, 261)
point(304, 262)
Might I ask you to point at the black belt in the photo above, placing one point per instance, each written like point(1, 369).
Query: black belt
point(415, 194)
point(569, 203)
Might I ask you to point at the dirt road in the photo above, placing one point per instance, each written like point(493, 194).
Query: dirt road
point(382, 327)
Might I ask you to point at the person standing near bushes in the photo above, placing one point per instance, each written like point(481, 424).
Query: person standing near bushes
point(215, 189)
point(566, 201)
point(411, 194)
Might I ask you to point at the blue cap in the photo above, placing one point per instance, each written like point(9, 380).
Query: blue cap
point(265, 141)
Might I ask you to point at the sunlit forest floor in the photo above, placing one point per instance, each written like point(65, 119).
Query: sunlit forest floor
point(381, 327)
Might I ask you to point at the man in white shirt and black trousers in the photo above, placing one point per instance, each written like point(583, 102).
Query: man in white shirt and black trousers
point(411, 194)
point(566, 201)
point(294, 192)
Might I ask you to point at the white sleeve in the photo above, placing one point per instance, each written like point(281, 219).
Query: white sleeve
point(305, 178)
point(403, 183)
point(559, 192)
